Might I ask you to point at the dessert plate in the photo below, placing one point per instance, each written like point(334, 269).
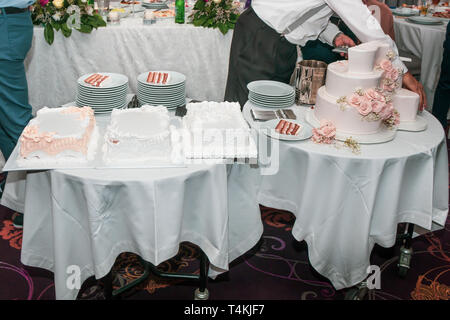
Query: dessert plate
point(268, 128)
point(424, 20)
point(116, 80)
point(270, 88)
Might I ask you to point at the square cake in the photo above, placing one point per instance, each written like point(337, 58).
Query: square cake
point(216, 130)
point(62, 135)
point(140, 134)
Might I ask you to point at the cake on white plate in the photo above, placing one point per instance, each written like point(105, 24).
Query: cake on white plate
point(139, 135)
point(65, 135)
point(358, 93)
point(216, 130)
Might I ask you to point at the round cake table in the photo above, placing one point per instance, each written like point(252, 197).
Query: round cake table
point(345, 203)
point(87, 217)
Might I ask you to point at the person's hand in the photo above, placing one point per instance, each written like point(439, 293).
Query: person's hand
point(410, 83)
point(342, 40)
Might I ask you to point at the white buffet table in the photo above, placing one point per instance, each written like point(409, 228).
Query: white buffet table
point(130, 48)
point(87, 217)
point(345, 203)
point(426, 42)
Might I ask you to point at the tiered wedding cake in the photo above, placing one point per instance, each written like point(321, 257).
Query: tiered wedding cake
point(59, 135)
point(358, 96)
point(139, 134)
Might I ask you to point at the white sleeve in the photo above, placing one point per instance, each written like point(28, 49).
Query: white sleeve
point(329, 33)
point(362, 23)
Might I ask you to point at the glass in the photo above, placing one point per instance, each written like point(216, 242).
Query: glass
point(424, 7)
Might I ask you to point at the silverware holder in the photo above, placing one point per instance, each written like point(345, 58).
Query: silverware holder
point(309, 77)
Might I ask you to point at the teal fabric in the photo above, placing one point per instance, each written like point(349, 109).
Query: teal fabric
point(16, 34)
point(16, 3)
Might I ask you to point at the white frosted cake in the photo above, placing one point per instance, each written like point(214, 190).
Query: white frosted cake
point(357, 94)
point(59, 135)
point(216, 130)
point(139, 134)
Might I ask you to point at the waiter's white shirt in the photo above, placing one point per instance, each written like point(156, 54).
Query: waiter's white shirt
point(280, 14)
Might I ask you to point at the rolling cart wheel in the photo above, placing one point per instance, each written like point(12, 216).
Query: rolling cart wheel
point(404, 261)
point(199, 295)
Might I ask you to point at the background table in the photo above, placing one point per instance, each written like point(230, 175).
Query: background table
point(345, 203)
point(425, 42)
point(129, 48)
point(88, 217)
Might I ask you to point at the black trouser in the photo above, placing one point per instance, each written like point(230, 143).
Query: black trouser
point(257, 53)
point(441, 102)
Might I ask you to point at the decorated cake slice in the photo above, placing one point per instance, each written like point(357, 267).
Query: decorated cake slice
point(66, 134)
point(98, 80)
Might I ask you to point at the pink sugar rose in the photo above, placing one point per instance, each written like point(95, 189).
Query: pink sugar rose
point(325, 133)
point(389, 87)
point(371, 94)
point(380, 97)
point(387, 111)
point(355, 100)
point(386, 65)
point(365, 107)
point(392, 75)
point(377, 106)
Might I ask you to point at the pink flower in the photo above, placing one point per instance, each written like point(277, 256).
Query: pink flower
point(377, 106)
point(325, 133)
point(392, 75)
point(380, 97)
point(387, 111)
point(355, 100)
point(386, 65)
point(371, 94)
point(43, 2)
point(389, 86)
point(365, 107)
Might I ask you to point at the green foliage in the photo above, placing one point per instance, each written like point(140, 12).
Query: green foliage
point(222, 15)
point(64, 17)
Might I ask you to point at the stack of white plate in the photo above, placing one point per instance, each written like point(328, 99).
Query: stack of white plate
point(171, 95)
point(104, 99)
point(154, 5)
point(271, 94)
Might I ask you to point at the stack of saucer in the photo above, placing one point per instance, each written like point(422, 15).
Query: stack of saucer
point(171, 94)
point(103, 99)
point(271, 94)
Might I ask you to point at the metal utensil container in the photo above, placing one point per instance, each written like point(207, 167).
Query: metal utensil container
point(309, 77)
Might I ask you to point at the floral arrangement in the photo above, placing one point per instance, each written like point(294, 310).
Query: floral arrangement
point(325, 134)
point(221, 14)
point(65, 15)
point(391, 76)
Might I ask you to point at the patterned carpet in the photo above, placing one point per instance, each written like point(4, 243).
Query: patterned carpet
point(276, 269)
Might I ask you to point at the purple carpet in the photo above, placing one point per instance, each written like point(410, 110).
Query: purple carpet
point(276, 269)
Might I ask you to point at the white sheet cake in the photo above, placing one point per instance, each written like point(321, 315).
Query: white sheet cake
point(140, 134)
point(215, 130)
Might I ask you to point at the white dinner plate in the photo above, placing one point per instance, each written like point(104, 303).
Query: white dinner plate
point(270, 88)
point(425, 20)
point(268, 128)
point(271, 105)
point(116, 80)
point(175, 78)
point(272, 99)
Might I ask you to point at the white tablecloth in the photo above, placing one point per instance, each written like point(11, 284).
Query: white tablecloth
point(131, 48)
point(346, 203)
point(88, 217)
point(426, 42)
